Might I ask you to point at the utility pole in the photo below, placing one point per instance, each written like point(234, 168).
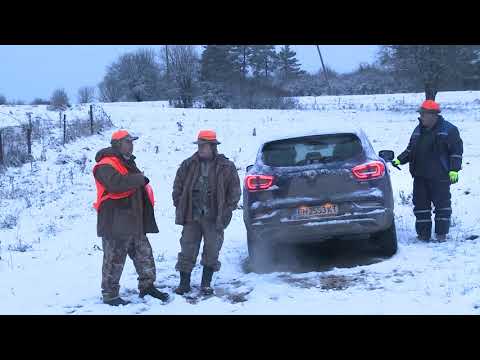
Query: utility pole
point(324, 70)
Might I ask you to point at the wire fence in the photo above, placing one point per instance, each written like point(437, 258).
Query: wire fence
point(16, 141)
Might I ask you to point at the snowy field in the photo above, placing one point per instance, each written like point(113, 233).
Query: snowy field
point(50, 257)
point(457, 101)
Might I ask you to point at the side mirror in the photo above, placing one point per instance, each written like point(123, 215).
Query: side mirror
point(387, 155)
point(249, 167)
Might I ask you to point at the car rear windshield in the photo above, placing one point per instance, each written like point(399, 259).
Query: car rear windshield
point(311, 150)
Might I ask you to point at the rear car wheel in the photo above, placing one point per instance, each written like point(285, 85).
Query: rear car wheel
point(260, 254)
point(385, 242)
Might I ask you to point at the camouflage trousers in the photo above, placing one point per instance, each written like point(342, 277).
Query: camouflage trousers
point(190, 245)
point(115, 252)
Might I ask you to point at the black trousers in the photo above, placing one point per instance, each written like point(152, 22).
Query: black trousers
point(428, 191)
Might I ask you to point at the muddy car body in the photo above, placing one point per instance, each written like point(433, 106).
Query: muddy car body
point(317, 187)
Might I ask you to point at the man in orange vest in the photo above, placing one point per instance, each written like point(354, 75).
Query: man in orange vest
point(125, 215)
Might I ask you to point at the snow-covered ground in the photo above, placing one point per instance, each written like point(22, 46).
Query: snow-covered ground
point(51, 258)
point(468, 101)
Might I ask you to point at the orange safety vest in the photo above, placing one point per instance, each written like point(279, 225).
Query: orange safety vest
point(102, 193)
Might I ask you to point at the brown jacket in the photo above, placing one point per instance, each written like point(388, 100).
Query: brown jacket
point(224, 194)
point(129, 216)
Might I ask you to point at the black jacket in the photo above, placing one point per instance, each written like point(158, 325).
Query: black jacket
point(132, 216)
point(447, 150)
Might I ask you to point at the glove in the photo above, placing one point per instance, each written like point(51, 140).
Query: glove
point(396, 162)
point(147, 180)
point(453, 175)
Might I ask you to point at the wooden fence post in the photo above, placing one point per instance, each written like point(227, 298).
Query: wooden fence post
point(1, 147)
point(91, 119)
point(29, 134)
point(64, 129)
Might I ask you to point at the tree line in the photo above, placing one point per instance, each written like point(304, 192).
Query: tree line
point(260, 76)
point(223, 75)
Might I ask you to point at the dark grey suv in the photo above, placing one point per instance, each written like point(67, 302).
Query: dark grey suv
point(315, 187)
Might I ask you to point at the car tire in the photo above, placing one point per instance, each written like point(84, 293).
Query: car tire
point(260, 254)
point(385, 242)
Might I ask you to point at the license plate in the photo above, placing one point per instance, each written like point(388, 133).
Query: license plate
point(317, 211)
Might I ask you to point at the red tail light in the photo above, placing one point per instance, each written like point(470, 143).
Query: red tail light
point(372, 170)
point(258, 182)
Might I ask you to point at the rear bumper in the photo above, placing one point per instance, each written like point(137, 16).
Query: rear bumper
point(321, 229)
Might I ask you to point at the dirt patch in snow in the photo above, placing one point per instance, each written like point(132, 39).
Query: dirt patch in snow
point(363, 278)
point(324, 282)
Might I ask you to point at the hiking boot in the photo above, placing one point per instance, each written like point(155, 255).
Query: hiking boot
point(154, 292)
point(116, 302)
point(207, 275)
point(206, 290)
point(424, 238)
point(441, 238)
point(184, 286)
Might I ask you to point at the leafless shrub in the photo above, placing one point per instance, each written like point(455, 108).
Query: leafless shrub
point(86, 94)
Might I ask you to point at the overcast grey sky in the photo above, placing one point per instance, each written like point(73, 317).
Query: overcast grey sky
point(29, 71)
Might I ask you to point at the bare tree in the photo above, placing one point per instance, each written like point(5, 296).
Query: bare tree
point(133, 77)
point(184, 67)
point(164, 60)
point(59, 100)
point(110, 89)
point(86, 94)
point(3, 99)
point(165, 81)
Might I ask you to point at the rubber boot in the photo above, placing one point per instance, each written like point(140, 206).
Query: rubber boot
point(154, 292)
point(116, 302)
point(184, 286)
point(207, 275)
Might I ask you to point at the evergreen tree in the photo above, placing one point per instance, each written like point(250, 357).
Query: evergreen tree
point(216, 64)
point(288, 65)
point(263, 60)
point(239, 55)
point(435, 67)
